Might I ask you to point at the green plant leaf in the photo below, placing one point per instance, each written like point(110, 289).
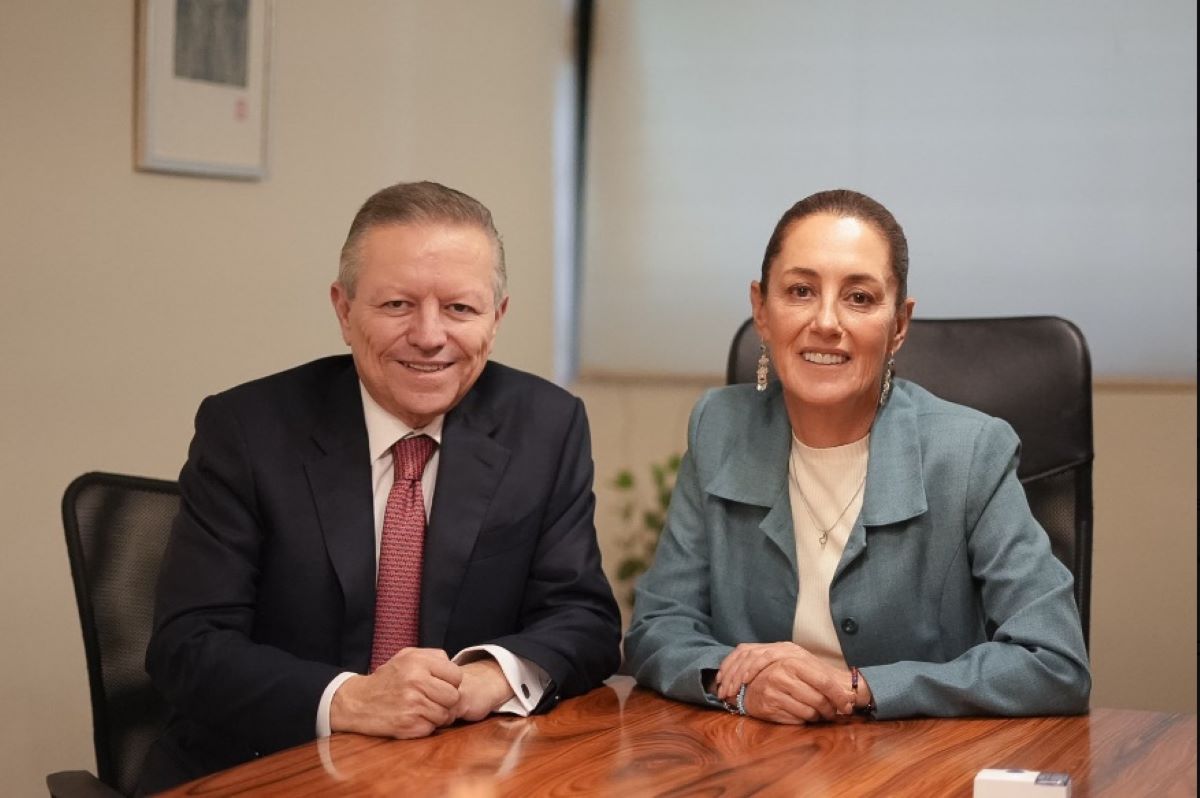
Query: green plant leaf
point(638, 543)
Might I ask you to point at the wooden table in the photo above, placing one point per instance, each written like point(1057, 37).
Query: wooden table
point(620, 740)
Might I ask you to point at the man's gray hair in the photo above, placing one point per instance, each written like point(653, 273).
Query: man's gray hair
point(419, 203)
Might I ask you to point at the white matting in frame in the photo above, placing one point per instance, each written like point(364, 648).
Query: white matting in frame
point(202, 87)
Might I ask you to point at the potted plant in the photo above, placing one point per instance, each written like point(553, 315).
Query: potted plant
point(643, 516)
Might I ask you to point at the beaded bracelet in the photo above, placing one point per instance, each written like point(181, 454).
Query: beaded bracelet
point(855, 676)
point(738, 708)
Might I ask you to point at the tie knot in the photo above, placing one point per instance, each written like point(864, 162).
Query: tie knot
point(411, 454)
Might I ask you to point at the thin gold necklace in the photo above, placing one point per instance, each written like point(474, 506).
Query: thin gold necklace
point(823, 538)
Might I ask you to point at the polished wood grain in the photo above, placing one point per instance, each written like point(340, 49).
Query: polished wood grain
point(624, 741)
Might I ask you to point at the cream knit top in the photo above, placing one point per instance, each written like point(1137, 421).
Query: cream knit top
point(826, 488)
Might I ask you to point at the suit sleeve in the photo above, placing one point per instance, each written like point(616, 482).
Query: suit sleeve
point(1035, 662)
point(202, 656)
point(570, 625)
point(670, 640)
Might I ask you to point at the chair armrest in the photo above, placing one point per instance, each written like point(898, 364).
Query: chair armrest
point(78, 784)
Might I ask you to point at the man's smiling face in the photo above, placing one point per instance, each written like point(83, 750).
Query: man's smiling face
point(423, 315)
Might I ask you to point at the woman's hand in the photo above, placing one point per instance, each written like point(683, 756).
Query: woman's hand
point(787, 681)
point(747, 661)
point(799, 690)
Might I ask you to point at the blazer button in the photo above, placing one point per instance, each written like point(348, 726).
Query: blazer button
point(849, 626)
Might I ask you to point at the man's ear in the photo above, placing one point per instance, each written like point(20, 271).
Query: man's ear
point(341, 307)
point(501, 309)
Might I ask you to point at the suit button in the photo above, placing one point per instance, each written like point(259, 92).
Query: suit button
point(849, 626)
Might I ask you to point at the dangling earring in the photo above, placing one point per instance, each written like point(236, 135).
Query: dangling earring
point(888, 371)
point(760, 375)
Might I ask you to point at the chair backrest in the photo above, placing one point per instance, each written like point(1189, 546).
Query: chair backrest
point(116, 528)
point(1035, 373)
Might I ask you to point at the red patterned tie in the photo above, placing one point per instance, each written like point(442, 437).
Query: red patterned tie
point(398, 587)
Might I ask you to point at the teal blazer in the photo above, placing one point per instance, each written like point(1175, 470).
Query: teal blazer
point(947, 596)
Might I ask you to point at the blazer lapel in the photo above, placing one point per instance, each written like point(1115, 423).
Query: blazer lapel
point(339, 475)
point(895, 488)
point(756, 471)
point(470, 467)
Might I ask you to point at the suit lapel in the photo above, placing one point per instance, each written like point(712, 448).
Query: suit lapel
point(470, 468)
point(339, 475)
point(756, 471)
point(895, 487)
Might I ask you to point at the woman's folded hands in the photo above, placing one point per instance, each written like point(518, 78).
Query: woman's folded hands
point(785, 683)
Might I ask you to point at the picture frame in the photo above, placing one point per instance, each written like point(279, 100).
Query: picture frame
point(203, 71)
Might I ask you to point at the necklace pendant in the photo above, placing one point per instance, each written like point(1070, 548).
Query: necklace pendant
point(824, 538)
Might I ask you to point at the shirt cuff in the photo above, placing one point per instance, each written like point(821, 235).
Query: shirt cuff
point(527, 679)
point(327, 702)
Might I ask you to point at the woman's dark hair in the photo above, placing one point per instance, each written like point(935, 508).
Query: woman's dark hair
point(846, 203)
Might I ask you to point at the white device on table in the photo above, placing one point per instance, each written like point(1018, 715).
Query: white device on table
point(1017, 783)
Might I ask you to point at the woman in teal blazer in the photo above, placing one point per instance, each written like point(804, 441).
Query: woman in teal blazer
point(934, 592)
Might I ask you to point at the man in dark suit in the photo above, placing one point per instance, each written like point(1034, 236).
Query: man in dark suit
point(267, 628)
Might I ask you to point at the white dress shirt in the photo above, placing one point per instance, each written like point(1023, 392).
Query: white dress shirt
point(527, 680)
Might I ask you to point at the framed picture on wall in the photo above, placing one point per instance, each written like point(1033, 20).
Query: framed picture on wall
point(202, 78)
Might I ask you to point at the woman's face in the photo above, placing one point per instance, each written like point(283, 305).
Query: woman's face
point(829, 318)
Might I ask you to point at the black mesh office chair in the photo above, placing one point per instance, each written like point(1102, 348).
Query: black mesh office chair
point(1035, 373)
point(116, 528)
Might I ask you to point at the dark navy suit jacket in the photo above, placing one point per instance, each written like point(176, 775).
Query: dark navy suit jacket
point(267, 589)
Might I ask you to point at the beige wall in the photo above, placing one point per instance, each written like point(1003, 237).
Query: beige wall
point(132, 295)
point(1144, 559)
point(1143, 642)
